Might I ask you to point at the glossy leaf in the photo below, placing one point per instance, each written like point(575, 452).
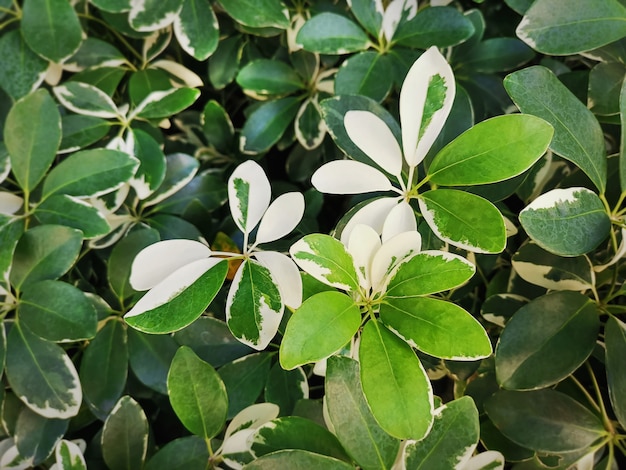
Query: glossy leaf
point(151, 15)
point(363, 74)
point(68, 456)
point(51, 28)
point(42, 375)
point(286, 275)
point(395, 384)
point(562, 28)
point(605, 83)
point(577, 133)
point(281, 217)
point(23, 70)
point(322, 325)
point(435, 26)
point(451, 441)
point(352, 421)
point(34, 119)
point(297, 458)
point(254, 307)
point(184, 453)
point(151, 171)
point(249, 194)
point(150, 357)
point(536, 350)
point(369, 14)
point(197, 394)
point(544, 420)
point(36, 436)
point(286, 388)
point(269, 77)
point(309, 126)
point(125, 435)
point(163, 104)
point(180, 169)
point(615, 341)
point(566, 222)
point(60, 209)
point(217, 126)
point(196, 29)
point(330, 33)
point(224, 63)
point(258, 14)
point(464, 220)
point(86, 99)
point(493, 150)
point(266, 125)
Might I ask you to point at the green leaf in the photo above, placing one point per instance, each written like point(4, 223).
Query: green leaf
point(86, 99)
point(22, 71)
point(113, 6)
point(539, 267)
point(179, 171)
point(104, 368)
point(90, 173)
point(217, 126)
point(266, 125)
point(150, 358)
point(562, 28)
point(34, 119)
point(51, 28)
point(435, 26)
point(464, 220)
point(286, 388)
point(364, 74)
point(605, 83)
point(265, 77)
point(60, 209)
point(81, 131)
point(151, 172)
point(179, 299)
point(144, 82)
point(330, 33)
point(615, 340)
point(224, 63)
point(57, 311)
point(493, 150)
point(254, 307)
point(566, 222)
point(395, 384)
point(45, 252)
point(577, 133)
point(164, 104)
point(322, 325)
point(106, 79)
point(497, 55)
point(10, 232)
point(544, 420)
point(36, 436)
point(185, 453)
point(352, 421)
point(536, 350)
point(451, 441)
point(327, 260)
point(368, 15)
point(197, 394)
point(295, 458)
point(622, 147)
point(69, 456)
point(436, 327)
point(309, 127)
point(152, 15)
point(125, 436)
point(42, 375)
point(258, 13)
point(196, 29)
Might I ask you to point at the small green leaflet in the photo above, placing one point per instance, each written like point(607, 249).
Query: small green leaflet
point(86, 99)
point(330, 33)
point(196, 29)
point(258, 13)
point(266, 124)
point(125, 436)
point(22, 70)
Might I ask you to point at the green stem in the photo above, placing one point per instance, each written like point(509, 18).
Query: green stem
point(608, 425)
point(117, 35)
point(586, 393)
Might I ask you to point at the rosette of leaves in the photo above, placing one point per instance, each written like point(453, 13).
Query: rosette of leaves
point(184, 275)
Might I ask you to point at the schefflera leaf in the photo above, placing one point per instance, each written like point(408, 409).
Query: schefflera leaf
point(330, 33)
point(566, 222)
point(615, 340)
point(249, 194)
point(125, 435)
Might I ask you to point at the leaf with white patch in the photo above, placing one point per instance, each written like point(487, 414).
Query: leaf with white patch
point(254, 307)
point(374, 138)
point(425, 101)
point(362, 245)
point(125, 436)
point(393, 253)
point(196, 29)
point(349, 177)
point(60, 209)
point(164, 104)
point(180, 169)
point(11, 458)
point(400, 219)
point(309, 125)
point(249, 194)
point(37, 436)
point(567, 222)
point(373, 212)
point(86, 99)
point(10, 203)
point(152, 15)
point(42, 375)
point(331, 33)
point(251, 418)
point(180, 298)
point(68, 456)
point(488, 460)
point(327, 260)
point(151, 171)
point(179, 73)
point(281, 217)
point(285, 273)
point(396, 12)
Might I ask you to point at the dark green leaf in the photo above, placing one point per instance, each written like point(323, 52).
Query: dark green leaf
point(296, 459)
point(125, 436)
point(185, 453)
point(10, 232)
point(86, 99)
point(497, 55)
point(151, 172)
point(144, 82)
point(217, 126)
point(266, 125)
point(309, 127)
point(285, 387)
point(368, 15)
point(330, 33)
point(60, 209)
point(196, 29)
point(106, 79)
point(224, 62)
point(268, 77)
point(36, 436)
point(150, 358)
point(365, 73)
point(622, 147)
point(164, 104)
point(435, 26)
point(605, 84)
point(615, 339)
point(81, 131)
point(113, 6)
point(22, 70)
point(258, 13)
point(180, 169)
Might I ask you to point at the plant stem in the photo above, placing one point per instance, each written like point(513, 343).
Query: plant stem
point(608, 425)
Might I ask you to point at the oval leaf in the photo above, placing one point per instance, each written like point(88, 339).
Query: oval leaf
point(184, 453)
point(69, 456)
point(249, 194)
point(23, 70)
point(349, 177)
point(437, 26)
point(330, 33)
point(258, 13)
point(281, 217)
point(266, 125)
point(69, 211)
point(296, 458)
point(196, 29)
point(125, 436)
point(86, 99)
point(269, 77)
point(164, 104)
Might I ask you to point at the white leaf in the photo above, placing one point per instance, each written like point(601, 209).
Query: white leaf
point(400, 219)
point(10, 203)
point(491, 459)
point(363, 243)
point(349, 177)
point(391, 254)
point(238, 444)
point(393, 15)
point(170, 287)
point(281, 217)
point(157, 261)
point(249, 194)
point(431, 65)
point(373, 214)
point(619, 254)
point(375, 139)
point(189, 78)
point(285, 273)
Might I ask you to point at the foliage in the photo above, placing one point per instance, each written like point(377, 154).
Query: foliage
point(312, 234)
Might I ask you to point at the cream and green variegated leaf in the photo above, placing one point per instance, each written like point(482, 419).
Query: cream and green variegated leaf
point(60, 209)
point(11, 229)
point(81, 131)
point(327, 260)
point(68, 456)
point(86, 99)
point(112, 6)
point(615, 342)
point(322, 325)
point(487, 460)
point(542, 268)
point(395, 384)
point(254, 307)
point(196, 29)
point(23, 70)
point(362, 245)
point(5, 162)
point(369, 14)
point(499, 308)
point(151, 171)
point(397, 13)
point(42, 375)
point(197, 394)
point(163, 104)
point(331, 33)
point(309, 125)
point(451, 441)
point(180, 169)
point(392, 253)
point(464, 220)
point(437, 26)
point(267, 124)
point(491, 151)
point(180, 298)
point(90, 173)
point(265, 77)
point(249, 195)
point(286, 274)
point(258, 13)
point(436, 327)
point(125, 435)
point(297, 458)
point(37, 436)
point(153, 15)
point(566, 222)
